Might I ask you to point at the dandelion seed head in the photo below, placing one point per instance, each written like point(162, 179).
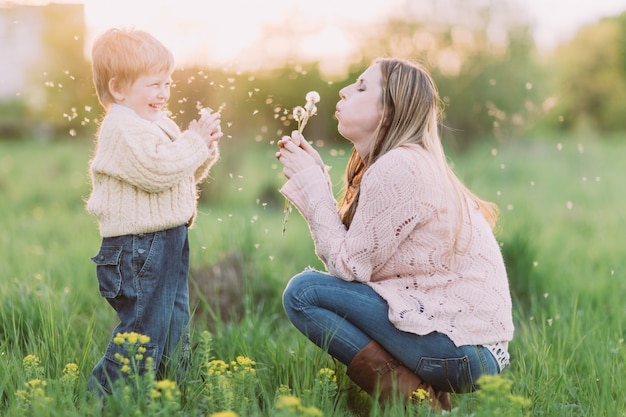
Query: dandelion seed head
point(312, 97)
point(299, 113)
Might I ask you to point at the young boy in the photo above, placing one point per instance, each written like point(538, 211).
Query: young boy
point(144, 178)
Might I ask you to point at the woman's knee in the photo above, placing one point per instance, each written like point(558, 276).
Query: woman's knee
point(292, 295)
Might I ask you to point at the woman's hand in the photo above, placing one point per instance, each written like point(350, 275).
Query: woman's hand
point(296, 154)
point(208, 126)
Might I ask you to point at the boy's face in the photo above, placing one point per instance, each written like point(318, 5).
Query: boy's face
point(148, 95)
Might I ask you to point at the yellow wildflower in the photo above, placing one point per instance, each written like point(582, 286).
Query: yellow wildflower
point(217, 367)
point(131, 337)
point(288, 401)
point(312, 411)
point(30, 361)
point(420, 394)
point(224, 414)
point(71, 369)
point(327, 374)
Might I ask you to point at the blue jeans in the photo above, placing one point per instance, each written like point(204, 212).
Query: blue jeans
point(144, 278)
point(343, 317)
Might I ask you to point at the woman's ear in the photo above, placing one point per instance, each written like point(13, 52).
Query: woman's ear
point(115, 90)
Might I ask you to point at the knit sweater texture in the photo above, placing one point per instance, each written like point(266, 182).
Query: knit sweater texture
point(144, 174)
point(398, 244)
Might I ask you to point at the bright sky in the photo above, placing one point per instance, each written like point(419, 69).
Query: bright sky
point(217, 30)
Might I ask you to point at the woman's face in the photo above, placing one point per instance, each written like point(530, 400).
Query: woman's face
point(360, 109)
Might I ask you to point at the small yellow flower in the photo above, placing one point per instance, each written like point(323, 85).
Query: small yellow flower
point(420, 394)
point(36, 383)
point(288, 401)
point(71, 369)
point(23, 396)
point(125, 369)
point(328, 374)
point(166, 384)
point(30, 361)
point(312, 411)
point(224, 414)
point(131, 337)
point(245, 361)
point(217, 367)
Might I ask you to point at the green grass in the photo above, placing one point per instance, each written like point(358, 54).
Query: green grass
point(561, 234)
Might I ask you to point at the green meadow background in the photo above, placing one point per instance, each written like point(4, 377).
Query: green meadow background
point(562, 234)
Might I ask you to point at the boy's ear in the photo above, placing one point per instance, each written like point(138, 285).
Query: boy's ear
point(115, 90)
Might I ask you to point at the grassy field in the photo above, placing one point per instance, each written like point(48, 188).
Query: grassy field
point(562, 228)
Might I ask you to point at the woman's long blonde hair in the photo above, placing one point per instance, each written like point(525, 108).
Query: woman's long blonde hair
point(410, 115)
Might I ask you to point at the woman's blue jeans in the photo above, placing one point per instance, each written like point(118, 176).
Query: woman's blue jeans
point(343, 317)
point(144, 278)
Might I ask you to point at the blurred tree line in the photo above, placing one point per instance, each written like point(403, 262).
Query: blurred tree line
point(493, 82)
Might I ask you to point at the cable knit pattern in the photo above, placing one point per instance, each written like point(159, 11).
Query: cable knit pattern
point(398, 243)
point(144, 175)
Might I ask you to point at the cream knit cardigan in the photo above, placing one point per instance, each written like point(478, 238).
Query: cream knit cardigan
point(397, 244)
point(144, 175)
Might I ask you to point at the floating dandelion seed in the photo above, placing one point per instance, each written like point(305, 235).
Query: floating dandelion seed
point(302, 115)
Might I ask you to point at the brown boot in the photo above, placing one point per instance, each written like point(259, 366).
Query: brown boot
point(377, 372)
point(444, 400)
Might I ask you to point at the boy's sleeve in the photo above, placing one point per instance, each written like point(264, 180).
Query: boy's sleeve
point(140, 155)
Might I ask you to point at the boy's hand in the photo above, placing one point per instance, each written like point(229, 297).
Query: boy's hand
point(208, 126)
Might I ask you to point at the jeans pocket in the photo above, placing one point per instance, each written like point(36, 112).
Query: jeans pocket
point(146, 247)
point(450, 374)
point(108, 270)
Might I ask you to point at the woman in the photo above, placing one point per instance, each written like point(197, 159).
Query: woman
point(416, 294)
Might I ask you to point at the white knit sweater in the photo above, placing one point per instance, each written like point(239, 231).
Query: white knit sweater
point(397, 244)
point(144, 175)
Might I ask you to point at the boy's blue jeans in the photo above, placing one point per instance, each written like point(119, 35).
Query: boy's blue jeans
point(144, 278)
point(343, 317)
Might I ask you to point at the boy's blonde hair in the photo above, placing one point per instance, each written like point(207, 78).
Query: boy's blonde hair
point(125, 55)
